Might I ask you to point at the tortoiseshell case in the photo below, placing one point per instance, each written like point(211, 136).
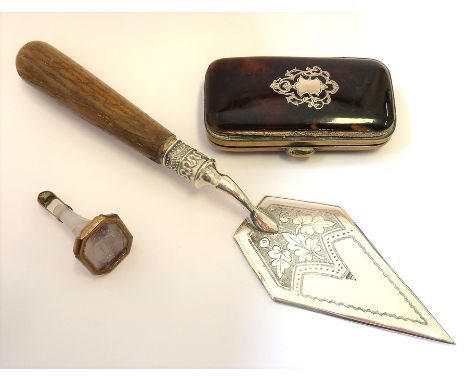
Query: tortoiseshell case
point(299, 105)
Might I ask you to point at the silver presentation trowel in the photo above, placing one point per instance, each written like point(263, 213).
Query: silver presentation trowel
point(305, 254)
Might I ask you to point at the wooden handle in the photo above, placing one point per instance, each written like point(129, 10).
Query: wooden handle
point(48, 69)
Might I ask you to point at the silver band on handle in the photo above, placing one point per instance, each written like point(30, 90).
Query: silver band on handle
point(184, 160)
point(200, 170)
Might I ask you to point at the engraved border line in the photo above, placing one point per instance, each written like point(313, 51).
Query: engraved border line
point(423, 321)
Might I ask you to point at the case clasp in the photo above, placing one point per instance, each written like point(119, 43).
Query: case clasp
point(300, 152)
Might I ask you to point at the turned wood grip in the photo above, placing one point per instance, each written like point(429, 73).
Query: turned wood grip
point(48, 69)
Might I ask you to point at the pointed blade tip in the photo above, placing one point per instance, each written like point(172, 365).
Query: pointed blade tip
point(441, 336)
point(448, 340)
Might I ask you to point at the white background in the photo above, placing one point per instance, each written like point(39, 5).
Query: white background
point(185, 296)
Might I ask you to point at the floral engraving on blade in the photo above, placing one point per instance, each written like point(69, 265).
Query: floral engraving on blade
point(300, 242)
point(311, 86)
point(281, 259)
point(308, 225)
point(305, 248)
point(184, 160)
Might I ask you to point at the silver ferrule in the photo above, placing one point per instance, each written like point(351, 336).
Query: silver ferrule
point(185, 161)
point(200, 170)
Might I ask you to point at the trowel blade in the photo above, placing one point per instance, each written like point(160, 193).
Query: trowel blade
point(321, 260)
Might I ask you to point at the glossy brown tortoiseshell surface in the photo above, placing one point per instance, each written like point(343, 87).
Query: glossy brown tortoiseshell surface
point(239, 100)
